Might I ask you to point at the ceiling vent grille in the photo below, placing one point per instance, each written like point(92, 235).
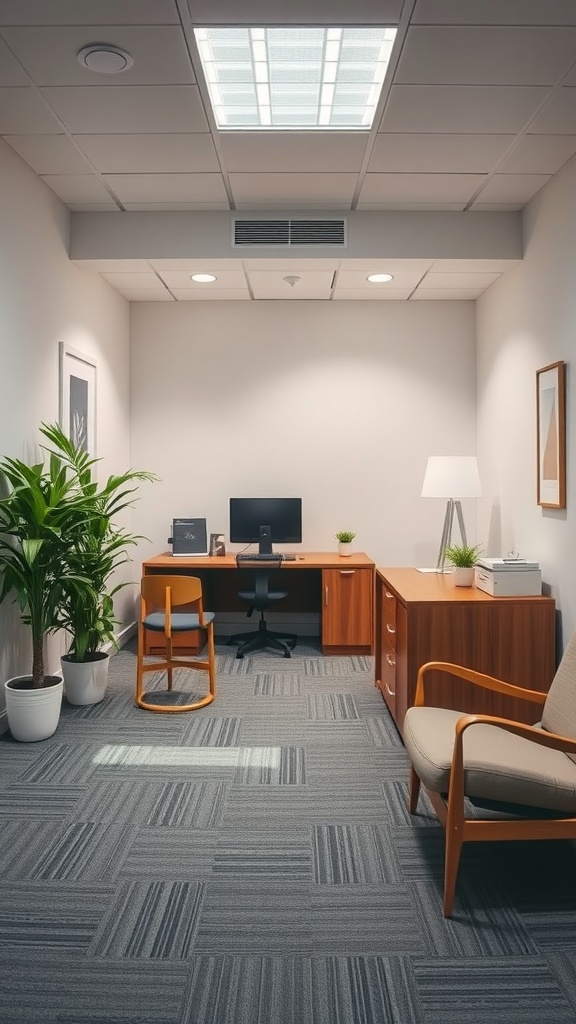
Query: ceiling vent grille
point(289, 232)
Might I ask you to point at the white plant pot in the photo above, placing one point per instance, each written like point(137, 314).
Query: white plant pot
point(463, 577)
point(344, 549)
point(85, 682)
point(33, 714)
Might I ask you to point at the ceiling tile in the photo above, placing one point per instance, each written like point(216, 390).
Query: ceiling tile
point(138, 279)
point(539, 154)
point(495, 12)
point(77, 188)
point(11, 74)
point(474, 266)
point(467, 109)
point(293, 151)
point(23, 112)
point(446, 293)
point(322, 12)
point(479, 55)
point(284, 190)
point(49, 54)
point(291, 265)
point(205, 295)
point(437, 154)
point(151, 188)
point(420, 188)
point(226, 279)
point(209, 266)
point(150, 154)
point(271, 285)
point(558, 115)
point(130, 109)
point(356, 279)
point(49, 154)
point(70, 12)
point(468, 281)
point(176, 207)
point(394, 294)
point(506, 188)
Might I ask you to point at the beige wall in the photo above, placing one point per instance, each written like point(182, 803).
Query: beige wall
point(338, 403)
point(45, 300)
point(524, 322)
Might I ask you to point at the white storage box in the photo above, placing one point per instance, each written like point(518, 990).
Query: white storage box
point(509, 582)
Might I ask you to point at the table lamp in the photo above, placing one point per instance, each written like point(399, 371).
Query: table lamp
point(452, 477)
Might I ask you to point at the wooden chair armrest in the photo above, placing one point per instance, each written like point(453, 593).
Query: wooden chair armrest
point(541, 736)
point(478, 679)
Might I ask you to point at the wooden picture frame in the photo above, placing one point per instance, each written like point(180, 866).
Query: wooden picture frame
point(551, 435)
point(77, 412)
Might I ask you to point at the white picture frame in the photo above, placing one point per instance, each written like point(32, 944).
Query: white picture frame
point(77, 405)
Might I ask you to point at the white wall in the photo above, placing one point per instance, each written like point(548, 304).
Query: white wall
point(45, 300)
point(526, 321)
point(340, 403)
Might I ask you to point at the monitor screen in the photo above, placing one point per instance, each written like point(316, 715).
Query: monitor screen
point(249, 515)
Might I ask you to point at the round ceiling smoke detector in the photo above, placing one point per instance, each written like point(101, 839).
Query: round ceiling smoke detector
point(108, 60)
point(292, 279)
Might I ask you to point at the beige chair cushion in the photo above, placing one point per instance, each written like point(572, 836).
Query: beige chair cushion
point(559, 713)
point(498, 765)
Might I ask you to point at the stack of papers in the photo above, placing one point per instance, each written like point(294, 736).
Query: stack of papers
point(506, 564)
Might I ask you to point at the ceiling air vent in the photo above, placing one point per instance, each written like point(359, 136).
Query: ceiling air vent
point(289, 232)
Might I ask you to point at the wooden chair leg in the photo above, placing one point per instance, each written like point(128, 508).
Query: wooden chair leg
point(453, 849)
point(414, 791)
point(211, 657)
point(140, 662)
point(169, 660)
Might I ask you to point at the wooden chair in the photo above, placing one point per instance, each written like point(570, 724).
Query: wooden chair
point(527, 772)
point(161, 596)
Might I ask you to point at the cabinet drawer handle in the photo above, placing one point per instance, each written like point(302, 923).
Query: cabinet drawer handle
point(346, 572)
point(390, 628)
point(326, 596)
point(388, 594)
point(391, 661)
point(391, 693)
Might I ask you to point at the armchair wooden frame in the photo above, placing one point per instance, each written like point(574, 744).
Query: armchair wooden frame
point(160, 597)
point(450, 809)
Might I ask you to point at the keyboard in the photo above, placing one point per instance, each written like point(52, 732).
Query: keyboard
point(256, 557)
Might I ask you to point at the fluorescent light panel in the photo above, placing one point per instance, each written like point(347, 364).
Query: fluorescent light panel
point(295, 77)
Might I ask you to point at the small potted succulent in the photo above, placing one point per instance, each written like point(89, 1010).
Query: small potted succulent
point(345, 538)
point(463, 557)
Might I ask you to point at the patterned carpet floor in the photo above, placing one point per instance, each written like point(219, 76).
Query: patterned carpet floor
point(254, 863)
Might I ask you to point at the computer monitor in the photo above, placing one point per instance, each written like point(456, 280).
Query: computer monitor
point(265, 521)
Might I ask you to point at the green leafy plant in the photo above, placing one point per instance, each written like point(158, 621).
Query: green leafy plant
point(58, 545)
point(345, 536)
point(463, 556)
point(96, 550)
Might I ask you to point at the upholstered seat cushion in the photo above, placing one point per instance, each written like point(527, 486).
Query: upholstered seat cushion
point(182, 622)
point(498, 765)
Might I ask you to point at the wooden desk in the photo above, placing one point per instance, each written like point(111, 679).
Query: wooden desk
point(341, 588)
point(423, 617)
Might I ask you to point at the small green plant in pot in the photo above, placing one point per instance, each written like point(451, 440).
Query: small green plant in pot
point(345, 538)
point(463, 557)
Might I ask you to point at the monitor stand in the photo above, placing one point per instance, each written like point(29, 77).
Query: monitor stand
point(265, 543)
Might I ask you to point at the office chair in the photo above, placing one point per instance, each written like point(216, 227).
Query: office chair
point(259, 598)
point(473, 765)
point(162, 611)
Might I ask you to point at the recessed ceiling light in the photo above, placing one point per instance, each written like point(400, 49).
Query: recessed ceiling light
point(108, 60)
point(203, 278)
point(379, 278)
point(294, 76)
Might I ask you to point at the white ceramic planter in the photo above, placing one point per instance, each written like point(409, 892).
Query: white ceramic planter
point(85, 682)
point(463, 577)
point(344, 549)
point(33, 714)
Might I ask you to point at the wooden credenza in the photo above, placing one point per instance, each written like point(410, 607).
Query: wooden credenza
point(339, 588)
point(423, 617)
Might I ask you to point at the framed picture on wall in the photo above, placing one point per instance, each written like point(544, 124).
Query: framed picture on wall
point(551, 435)
point(78, 398)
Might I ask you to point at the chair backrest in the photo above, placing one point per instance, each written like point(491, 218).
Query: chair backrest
point(165, 593)
point(559, 714)
point(260, 595)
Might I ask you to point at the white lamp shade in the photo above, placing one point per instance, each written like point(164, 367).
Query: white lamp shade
point(452, 476)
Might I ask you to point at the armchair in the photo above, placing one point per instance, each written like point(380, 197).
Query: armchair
point(527, 771)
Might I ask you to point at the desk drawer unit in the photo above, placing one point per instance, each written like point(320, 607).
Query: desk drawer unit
point(348, 598)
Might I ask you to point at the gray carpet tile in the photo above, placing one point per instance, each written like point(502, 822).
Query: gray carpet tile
point(352, 854)
point(247, 853)
point(515, 990)
point(150, 921)
point(254, 862)
point(169, 853)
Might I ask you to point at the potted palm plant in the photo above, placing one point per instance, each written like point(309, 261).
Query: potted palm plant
point(41, 511)
point(463, 557)
point(97, 548)
point(345, 538)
